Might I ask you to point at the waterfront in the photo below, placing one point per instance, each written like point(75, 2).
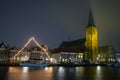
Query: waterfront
point(60, 73)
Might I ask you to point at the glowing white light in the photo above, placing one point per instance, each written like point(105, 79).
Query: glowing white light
point(51, 59)
point(47, 59)
point(98, 68)
point(25, 69)
point(98, 55)
point(63, 60)
point(97, 58)
point(81, 56)
point(46, 68)
point(60, 57)
point(61, 69)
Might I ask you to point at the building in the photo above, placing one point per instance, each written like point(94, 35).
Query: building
point(13, 51)
point(91, 43)
point(4, 52)
point(117, 56)
point(111, 54)
point(55, 57)
point(24, 54)
point(32, 53)
point(69, 51)
point(107, 53)
point(37, 54)
point(81, 49)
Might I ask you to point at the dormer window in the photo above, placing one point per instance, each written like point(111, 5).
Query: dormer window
point(3, 47)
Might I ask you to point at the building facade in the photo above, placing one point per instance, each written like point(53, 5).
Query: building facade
point(91, 43)
point(67, 57)
point(117, 56)
point(4, 52)
point(69, 51)
point(36, 54)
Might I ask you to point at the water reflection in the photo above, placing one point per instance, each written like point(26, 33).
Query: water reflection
point(3, 73)
point(65, 73)
point(14, 69)
point(25, 69)
point(60, 73)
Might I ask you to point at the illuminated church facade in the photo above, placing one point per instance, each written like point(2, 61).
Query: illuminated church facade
point(91, 43)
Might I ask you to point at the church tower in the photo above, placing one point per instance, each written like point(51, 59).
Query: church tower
point(91, 43)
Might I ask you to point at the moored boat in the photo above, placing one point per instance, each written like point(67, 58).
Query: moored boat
point(29, 64)
point(114, 64)
point(37, 65)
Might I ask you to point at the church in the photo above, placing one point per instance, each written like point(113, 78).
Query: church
point(91, 43)
point(81, 49)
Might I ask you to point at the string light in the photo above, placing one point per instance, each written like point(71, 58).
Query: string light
point(31, 39)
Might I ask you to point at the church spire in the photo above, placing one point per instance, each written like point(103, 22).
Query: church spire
point(91, 19)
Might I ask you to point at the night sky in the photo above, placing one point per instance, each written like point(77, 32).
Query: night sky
point(53, 21)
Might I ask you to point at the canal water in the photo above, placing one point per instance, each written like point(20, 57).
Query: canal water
point(60, 73)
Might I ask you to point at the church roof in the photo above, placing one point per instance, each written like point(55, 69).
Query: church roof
point(72, 43)
point(71, 46)
point(90, 19)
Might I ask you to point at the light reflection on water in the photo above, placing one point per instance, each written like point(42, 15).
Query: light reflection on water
point(25, 69)
point(60, 73)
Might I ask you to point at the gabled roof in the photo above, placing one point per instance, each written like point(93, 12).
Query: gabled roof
point(71, 46)
point(72, 43)
point(2, 44)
